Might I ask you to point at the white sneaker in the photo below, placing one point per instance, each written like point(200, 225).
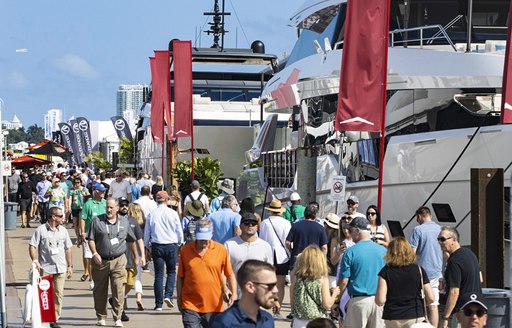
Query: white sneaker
point(91, 285)
point(101, 322)
point(118, 323)
point(169, 302)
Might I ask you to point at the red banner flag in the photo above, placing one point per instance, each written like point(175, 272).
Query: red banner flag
point(157, 107)
point(163, 65)
point(183, 118)
point(506, 94)
point(47, 299)
point(362, 95)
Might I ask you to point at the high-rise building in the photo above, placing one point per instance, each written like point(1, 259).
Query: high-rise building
point(130, 98)
point(51, 122)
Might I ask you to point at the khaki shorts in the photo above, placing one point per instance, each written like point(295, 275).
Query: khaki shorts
point(131, 276)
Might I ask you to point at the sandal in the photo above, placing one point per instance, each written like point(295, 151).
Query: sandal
point(84, 277)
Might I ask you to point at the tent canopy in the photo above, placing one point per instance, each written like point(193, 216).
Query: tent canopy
point(26, 161)
point(50, 148)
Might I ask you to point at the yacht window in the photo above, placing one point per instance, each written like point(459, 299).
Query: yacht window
point(479, 103)
point(319, 20)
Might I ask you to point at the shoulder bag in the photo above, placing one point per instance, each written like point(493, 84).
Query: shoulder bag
point(425, 323)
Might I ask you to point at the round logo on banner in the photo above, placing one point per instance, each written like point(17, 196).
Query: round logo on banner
point(119, 125)
point(44, 285)
point(82, 125)
point(65, 129)
point(75, 128)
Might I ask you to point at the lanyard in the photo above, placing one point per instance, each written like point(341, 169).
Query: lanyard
point(108, 230)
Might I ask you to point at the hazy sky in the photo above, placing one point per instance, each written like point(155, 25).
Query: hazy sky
point(73, 55)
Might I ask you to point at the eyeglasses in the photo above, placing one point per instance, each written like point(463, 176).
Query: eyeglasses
point(250, 223)
point(59, 216)
point(124, 205)
point(443, 239)
point(479, 313)
point(268, 286)
point(371, 213)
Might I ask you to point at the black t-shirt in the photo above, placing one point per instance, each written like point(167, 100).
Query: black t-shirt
point(403, 299)
point(304, 233)
point(463, 271)
point(25, 190)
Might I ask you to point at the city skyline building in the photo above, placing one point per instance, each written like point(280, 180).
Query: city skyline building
point(52, 118)
point(130, 98)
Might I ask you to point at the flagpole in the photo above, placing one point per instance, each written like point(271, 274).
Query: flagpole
point(192, 142)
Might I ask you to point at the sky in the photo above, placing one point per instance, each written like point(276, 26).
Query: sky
point(73, 55)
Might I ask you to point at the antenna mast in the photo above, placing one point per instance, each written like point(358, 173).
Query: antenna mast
point(217, 27)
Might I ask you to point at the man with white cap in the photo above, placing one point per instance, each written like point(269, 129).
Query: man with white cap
point(473, 311)
point(200, 289)
point(163, 233)
point(295, 211)
point(352, 206)
point(227, 187)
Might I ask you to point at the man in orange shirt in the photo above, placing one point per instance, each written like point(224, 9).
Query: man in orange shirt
point(200, 290)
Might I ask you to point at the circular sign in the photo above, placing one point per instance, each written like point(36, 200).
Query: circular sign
point(44, 285)
point(65, 129)
point(82, 125)
point(75, 128)
point(119, 125)
point(337, 187)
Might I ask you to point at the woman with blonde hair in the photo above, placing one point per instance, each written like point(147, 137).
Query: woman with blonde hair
point(135, 211)
point(402, 284)
point(311, 295)
point(158, 186)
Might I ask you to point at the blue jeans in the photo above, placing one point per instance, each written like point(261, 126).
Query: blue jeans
point(192, 319)
point(164, 254)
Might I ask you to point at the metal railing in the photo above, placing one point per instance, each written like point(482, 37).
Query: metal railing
point(441, 31)
point(279, 168)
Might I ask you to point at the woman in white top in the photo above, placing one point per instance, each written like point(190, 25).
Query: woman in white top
point(378, 232)
point(274, 230)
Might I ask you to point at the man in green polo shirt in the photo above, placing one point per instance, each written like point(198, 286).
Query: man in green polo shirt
point(95, 206)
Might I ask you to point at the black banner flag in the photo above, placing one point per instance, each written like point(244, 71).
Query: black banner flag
point(121, 127)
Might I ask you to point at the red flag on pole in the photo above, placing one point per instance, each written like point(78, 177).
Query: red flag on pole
point(157, 107)
point(163, 66)
point(362, 94)
point(183, 119)
point(506, 94)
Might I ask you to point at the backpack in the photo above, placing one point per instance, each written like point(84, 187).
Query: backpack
point(198, 198)
point(189, 233)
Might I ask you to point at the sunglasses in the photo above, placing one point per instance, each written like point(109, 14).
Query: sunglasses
point(268, 286)
point(250, 223)
point(479, 313)
point(371, 213)
point(350, 203)
point(443, 239)
point(59, 216)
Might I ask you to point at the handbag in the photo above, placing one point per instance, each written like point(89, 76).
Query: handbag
point(425, 323)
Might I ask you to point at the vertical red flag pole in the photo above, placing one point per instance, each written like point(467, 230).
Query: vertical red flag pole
point(384, 103)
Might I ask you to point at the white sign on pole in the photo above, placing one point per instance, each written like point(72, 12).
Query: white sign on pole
point(6, 168)
point(338, 188)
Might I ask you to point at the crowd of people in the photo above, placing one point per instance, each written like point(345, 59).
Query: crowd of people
point(229, 266)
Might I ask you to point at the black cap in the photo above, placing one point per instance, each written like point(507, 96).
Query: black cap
point(248, 217)
point(123, 200)
point(470, 298)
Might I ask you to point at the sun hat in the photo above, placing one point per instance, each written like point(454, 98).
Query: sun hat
point(195, 208)
point(294, 196)
point(275, 206)
point(226, 185)
point(332, 220)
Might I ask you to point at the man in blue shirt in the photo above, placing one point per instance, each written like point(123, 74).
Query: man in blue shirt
point(430, 256)
point(306, 232)
point(226, 221)
point(258, 282)
point(359, 271)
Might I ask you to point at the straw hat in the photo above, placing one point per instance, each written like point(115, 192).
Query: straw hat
point(332, 220)
point(275, 206)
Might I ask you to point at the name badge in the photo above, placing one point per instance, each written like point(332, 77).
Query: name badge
point(114, 241)
point(54, 251)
